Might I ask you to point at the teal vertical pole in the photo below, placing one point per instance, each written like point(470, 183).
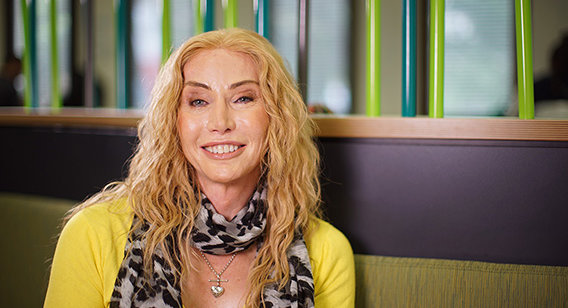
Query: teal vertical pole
point(373, 72)
point(27, 55)
point(524, 59)
point(262, 17)
point(56, 102)
point(436, 89)
point(209, 24)
point(121, 54)
point(230, 13)
point(409, 58)
point(166, 31)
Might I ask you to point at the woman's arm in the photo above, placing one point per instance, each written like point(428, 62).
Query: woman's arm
point(75, 279)
point(333, 267)
point(88, 255)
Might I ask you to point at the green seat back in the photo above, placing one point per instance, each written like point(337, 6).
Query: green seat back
point(29, 225)
point(415, 282)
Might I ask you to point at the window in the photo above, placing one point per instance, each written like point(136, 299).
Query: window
point(328, 50)
point(43, 47)
point(147, 41)
point(479, 57)
point(328, 55)
point(146, 49)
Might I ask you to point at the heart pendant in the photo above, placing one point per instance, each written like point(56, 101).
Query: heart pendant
point(217, 290)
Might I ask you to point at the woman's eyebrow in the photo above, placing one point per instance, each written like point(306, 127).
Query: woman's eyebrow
point(197, 84)
point(233, 86)
point(240, 83)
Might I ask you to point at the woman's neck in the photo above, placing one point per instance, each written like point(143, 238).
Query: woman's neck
point(228, 199)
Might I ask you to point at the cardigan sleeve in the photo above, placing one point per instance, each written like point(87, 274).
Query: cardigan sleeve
point(333, 268)
point(87, 258)
point(75, 279)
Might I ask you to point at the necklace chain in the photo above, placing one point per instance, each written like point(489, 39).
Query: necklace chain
point(211, 266)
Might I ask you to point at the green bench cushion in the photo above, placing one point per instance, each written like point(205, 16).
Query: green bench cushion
point(30, 225)
point(416, 282)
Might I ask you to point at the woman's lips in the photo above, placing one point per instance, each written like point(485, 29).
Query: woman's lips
point(223, 150)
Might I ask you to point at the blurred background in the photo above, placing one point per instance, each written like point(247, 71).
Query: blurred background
point(480, 69)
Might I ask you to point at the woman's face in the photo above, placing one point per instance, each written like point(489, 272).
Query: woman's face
point(221, 120)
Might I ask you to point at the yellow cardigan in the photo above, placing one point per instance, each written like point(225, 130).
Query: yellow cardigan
point(90, 251)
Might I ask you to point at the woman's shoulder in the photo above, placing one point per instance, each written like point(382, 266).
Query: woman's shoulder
point(112, 216)
point(323, 230)
point(333, 266)
point(117, 209)
point(324, 237)
point(88, 255)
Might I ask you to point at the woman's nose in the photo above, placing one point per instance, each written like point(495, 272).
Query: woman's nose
point(221, 118)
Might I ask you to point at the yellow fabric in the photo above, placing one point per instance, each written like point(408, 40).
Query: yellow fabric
point(90, 251)
point(415, 282)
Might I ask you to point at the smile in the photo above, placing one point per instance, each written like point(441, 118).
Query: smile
point(222, 148)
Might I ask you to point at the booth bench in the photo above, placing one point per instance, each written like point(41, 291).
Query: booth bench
point(439, 212)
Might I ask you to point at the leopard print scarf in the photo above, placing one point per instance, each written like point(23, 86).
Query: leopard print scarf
point(212, 234)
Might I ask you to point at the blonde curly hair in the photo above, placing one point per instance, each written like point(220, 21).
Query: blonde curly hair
point(162, 186)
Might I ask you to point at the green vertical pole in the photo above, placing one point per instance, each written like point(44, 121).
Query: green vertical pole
point(373, 72)
point(436, 89)
point(230, 13)
point(409, 58)
point(199, 17)
point(262, 17)
point(524, 59)
point(121, 54)
point(27, 55)
point(166, 31)
point(56, 102)
point(31, 96)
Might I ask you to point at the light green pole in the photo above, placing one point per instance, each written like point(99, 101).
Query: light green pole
point(436, 88)
point(199, 17)
point(166, 31)
point(373, 72)
point(524, 59)
point(230, 13)
point(27, 56)
point(31, 92)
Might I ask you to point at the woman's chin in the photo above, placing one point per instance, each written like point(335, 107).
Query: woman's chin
point(230, 179)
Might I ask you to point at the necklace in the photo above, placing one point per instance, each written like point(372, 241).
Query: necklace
point(218, 290)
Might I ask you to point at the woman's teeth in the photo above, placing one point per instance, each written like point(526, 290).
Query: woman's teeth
point(222, 148)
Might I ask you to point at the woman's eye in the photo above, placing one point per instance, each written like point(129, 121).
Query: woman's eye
point(244, 99)
point(198, 103)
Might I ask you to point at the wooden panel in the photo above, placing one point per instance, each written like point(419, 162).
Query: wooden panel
point(334, 127)
point(70, 117)
point(453, 128)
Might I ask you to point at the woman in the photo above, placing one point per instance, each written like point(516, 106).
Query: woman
point(219, 208)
